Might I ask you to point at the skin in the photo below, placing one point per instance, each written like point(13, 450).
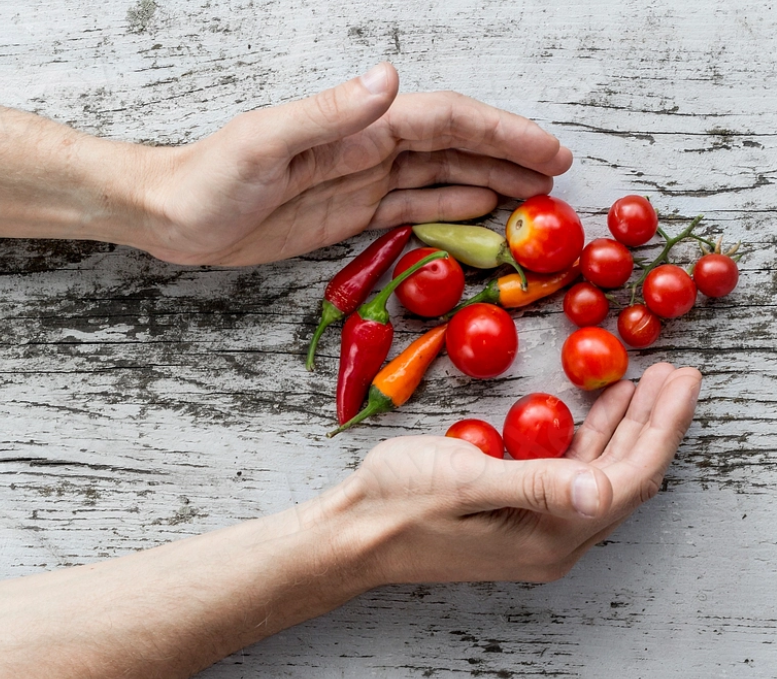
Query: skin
point(275, 183)
point(279, 182)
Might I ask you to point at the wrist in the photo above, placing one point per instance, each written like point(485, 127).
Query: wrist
point(350, 534)
point(119, 182)
point(56, 182)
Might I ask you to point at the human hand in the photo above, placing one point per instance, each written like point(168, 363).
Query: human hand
point(282, 181)
point(454, 514)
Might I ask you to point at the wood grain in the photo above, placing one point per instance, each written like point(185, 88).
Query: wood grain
point(144, 402)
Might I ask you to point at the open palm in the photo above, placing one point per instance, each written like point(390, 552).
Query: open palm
point(460, 515)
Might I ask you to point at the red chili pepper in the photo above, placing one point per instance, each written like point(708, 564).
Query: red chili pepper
point(365, 343)
point(353, 283)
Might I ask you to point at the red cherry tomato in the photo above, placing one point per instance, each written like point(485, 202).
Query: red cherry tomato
point(638, 326)
point(716, 275)
point(481, 340)
point(593, 358)
point(538, 425)
point(585, 304)
point(606, 262)
point(669, 291)
point(479, 433)
point(545, 234)
point(434, 289)
point(632, 220)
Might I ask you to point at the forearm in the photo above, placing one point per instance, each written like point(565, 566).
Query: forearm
point(56, 182)
point(173, 610)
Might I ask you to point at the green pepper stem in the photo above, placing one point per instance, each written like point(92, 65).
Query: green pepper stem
point(662, 257)
point(329, 314)
point(506, 257)
point(488, 295)
point(377, 403)
point(376, 309)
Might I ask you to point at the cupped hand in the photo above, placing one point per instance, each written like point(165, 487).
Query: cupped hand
point(278, 182)
point(454, 514)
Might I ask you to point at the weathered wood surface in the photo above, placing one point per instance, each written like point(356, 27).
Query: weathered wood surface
point(143, 402)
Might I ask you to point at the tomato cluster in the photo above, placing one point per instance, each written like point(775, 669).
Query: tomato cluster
point(668, 290)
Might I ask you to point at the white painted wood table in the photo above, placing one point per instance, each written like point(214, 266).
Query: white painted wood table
point(144, 402)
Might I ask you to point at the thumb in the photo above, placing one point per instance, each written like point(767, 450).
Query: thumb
point(561, 487)
point(338, 112)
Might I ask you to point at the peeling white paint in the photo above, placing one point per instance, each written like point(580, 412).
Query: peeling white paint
point(146, 383)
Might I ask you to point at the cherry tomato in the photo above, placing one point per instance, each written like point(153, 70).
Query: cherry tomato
point(545, 234)
point(716, 275)
point(538, 425)
point(434, 289)
point(606, 262)
point(585, 304)
point(593, 358)
point(669, 291)
point(481, 340)
point(479, 433)
point(638, 326)
point(632, 220)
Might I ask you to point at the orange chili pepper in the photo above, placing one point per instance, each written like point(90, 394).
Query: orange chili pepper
point(507, 291)
point(397, 381)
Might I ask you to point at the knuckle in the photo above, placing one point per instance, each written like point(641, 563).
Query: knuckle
point(445, 163)
point(327, 105)
point(649, 489)
point(466, 466)
point(536, 490)
point(465, 489)
point(441, 204)
point(451, 96)
point(408, 207)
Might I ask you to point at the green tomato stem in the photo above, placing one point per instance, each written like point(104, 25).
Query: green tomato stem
point(488, 295)
point(702, 240)
point(671, 241)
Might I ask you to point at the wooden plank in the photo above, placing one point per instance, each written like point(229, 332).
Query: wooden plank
point(142, 401)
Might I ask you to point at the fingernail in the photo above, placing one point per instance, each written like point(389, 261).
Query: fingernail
point(375, 80)
point(585, 494)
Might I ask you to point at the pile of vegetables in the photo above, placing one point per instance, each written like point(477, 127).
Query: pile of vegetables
point(544, 243)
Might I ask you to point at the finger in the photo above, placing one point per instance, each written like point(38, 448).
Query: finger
point(637, 474)
point(560, 487)
point(413, 170)
point(444, 204)
point(336, 113)
point(638, 413)
point(435, 121)
point(557, 165)
point(605, 415)
point(631, 485)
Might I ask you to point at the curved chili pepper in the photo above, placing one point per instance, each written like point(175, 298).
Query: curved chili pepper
point(473, 245)
point(354, 282)
point(366, 341)
point(395, 384)
point(507, 291)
